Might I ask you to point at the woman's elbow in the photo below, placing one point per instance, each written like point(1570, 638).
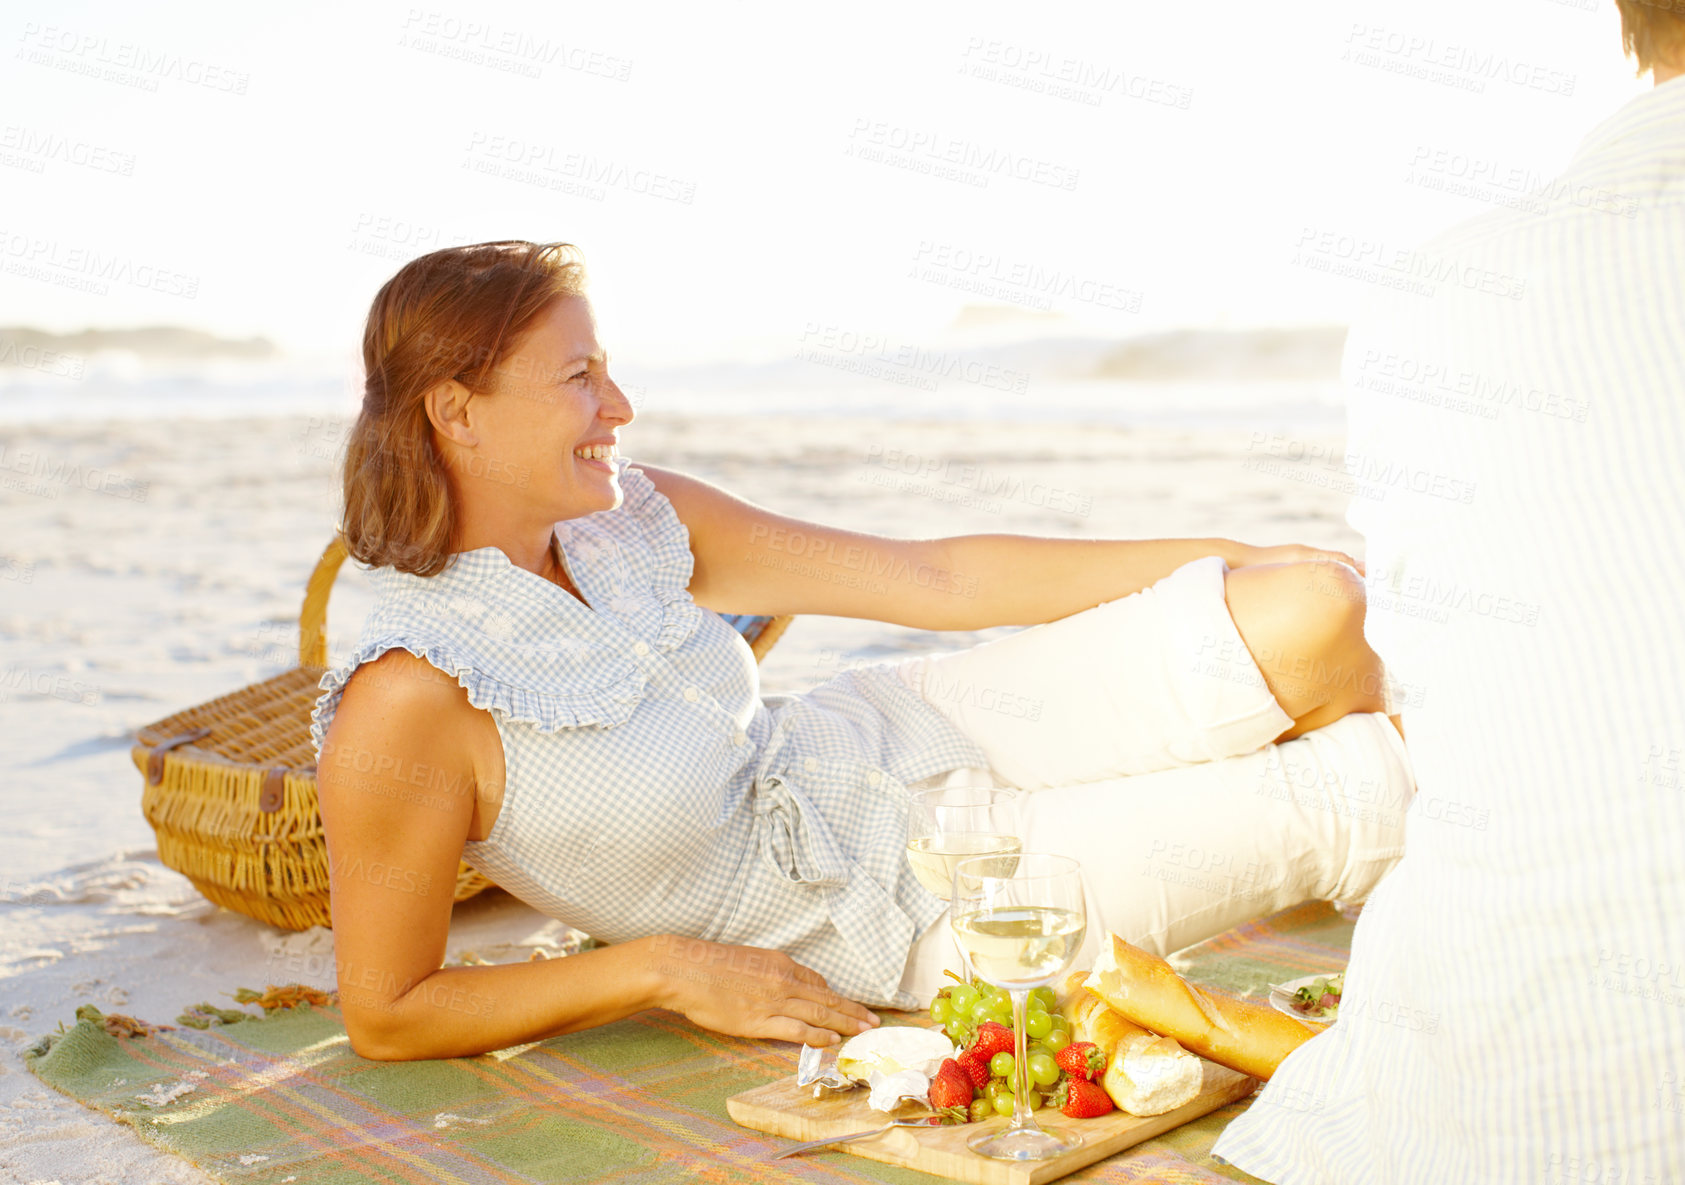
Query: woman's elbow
point(380, 1038)
point(380, 1050)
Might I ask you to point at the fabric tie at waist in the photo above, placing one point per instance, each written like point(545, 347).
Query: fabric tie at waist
point(795, 838)
point(798, 844)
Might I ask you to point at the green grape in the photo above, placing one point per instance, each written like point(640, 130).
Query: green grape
point(981, 1011)
point(959, 1032)
point(1036, 1100)
point(1003, 1104)
point(1048, 997)
point(1001, 1065)
point(1038, 1025)
point(939, 1010)
point(1044, 1071)
point(1056, 1040)
point(961, 999)
point(995, 1089)
point(1000, 1013)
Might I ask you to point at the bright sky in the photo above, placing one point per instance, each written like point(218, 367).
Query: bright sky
point(738, 171)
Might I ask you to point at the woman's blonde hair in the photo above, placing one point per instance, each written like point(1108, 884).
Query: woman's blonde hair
point(457, 313)
point(1653, 30)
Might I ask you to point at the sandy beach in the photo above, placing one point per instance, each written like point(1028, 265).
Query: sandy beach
point(147, 565)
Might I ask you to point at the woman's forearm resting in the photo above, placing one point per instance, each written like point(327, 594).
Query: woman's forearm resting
point(461, 1011)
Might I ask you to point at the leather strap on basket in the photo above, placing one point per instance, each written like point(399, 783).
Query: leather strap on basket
point(155, 758)
point(274, 790)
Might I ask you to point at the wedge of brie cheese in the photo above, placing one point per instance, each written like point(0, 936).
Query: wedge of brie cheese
point(889, 1091)
point(894, 1048)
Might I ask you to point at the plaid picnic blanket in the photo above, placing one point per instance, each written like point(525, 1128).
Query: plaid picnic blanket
point(283, 1100)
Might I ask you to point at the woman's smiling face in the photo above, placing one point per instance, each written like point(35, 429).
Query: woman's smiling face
point(552, 395)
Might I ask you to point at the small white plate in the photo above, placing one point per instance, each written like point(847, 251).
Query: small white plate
point(1281, 998)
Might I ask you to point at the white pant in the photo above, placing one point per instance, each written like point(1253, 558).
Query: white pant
point(1141, 732)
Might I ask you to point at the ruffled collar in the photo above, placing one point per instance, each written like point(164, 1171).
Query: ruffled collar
point(488, 566)
point(529, 648)
point(619, 590)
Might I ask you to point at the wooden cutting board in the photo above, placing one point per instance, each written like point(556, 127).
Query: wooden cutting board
point(784, 1109)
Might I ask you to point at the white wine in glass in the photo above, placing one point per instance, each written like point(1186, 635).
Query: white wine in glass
point(1020, 920)
point(1021, 946)
point(950, 824)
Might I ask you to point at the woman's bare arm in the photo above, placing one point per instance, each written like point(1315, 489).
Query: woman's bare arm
point(750, 559)
point(1029, 579)
point(397, 786)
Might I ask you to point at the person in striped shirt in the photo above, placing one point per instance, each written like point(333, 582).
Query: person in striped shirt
point(1514, 1007)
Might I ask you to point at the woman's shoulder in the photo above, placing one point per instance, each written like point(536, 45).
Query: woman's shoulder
point(407, 680)
point(497, 659)
point(406, 687)
point(395, 708)
point(403, 685)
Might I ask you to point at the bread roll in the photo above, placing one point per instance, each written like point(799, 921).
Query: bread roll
point(1145, 1074)
point(1245, 1035)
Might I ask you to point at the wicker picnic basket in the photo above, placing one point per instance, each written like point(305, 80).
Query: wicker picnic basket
point(230, 785)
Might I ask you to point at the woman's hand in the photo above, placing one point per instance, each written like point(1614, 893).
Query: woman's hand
point(746, 991)
point(1290, 553)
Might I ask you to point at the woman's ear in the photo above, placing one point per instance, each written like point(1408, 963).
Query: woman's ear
point(447, 410)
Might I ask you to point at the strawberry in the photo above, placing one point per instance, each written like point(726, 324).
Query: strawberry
point(992, 1038)
point(1081, 1059)
point(1077, 1098)
point(977, 1068)
point(951, 1093)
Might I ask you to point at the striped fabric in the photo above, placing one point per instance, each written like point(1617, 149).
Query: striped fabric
point(650, 789)
point(1515, 1003)
point(284, 1100)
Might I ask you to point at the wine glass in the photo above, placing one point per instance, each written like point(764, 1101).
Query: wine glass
point(1021, 920)
point(947, 824)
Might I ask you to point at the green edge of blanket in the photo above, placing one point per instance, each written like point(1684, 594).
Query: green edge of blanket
point(563, 1110)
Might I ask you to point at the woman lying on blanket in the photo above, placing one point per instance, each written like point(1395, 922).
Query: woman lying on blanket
point(546, 689)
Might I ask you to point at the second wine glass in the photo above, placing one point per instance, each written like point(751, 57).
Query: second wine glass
point(948, 824)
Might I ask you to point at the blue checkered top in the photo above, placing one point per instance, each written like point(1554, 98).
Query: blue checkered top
point(650, 788)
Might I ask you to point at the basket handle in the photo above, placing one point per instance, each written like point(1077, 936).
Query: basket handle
point(313, 615)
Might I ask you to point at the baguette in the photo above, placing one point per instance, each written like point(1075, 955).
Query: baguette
point(1145, 1074)
point(1245, 1035)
